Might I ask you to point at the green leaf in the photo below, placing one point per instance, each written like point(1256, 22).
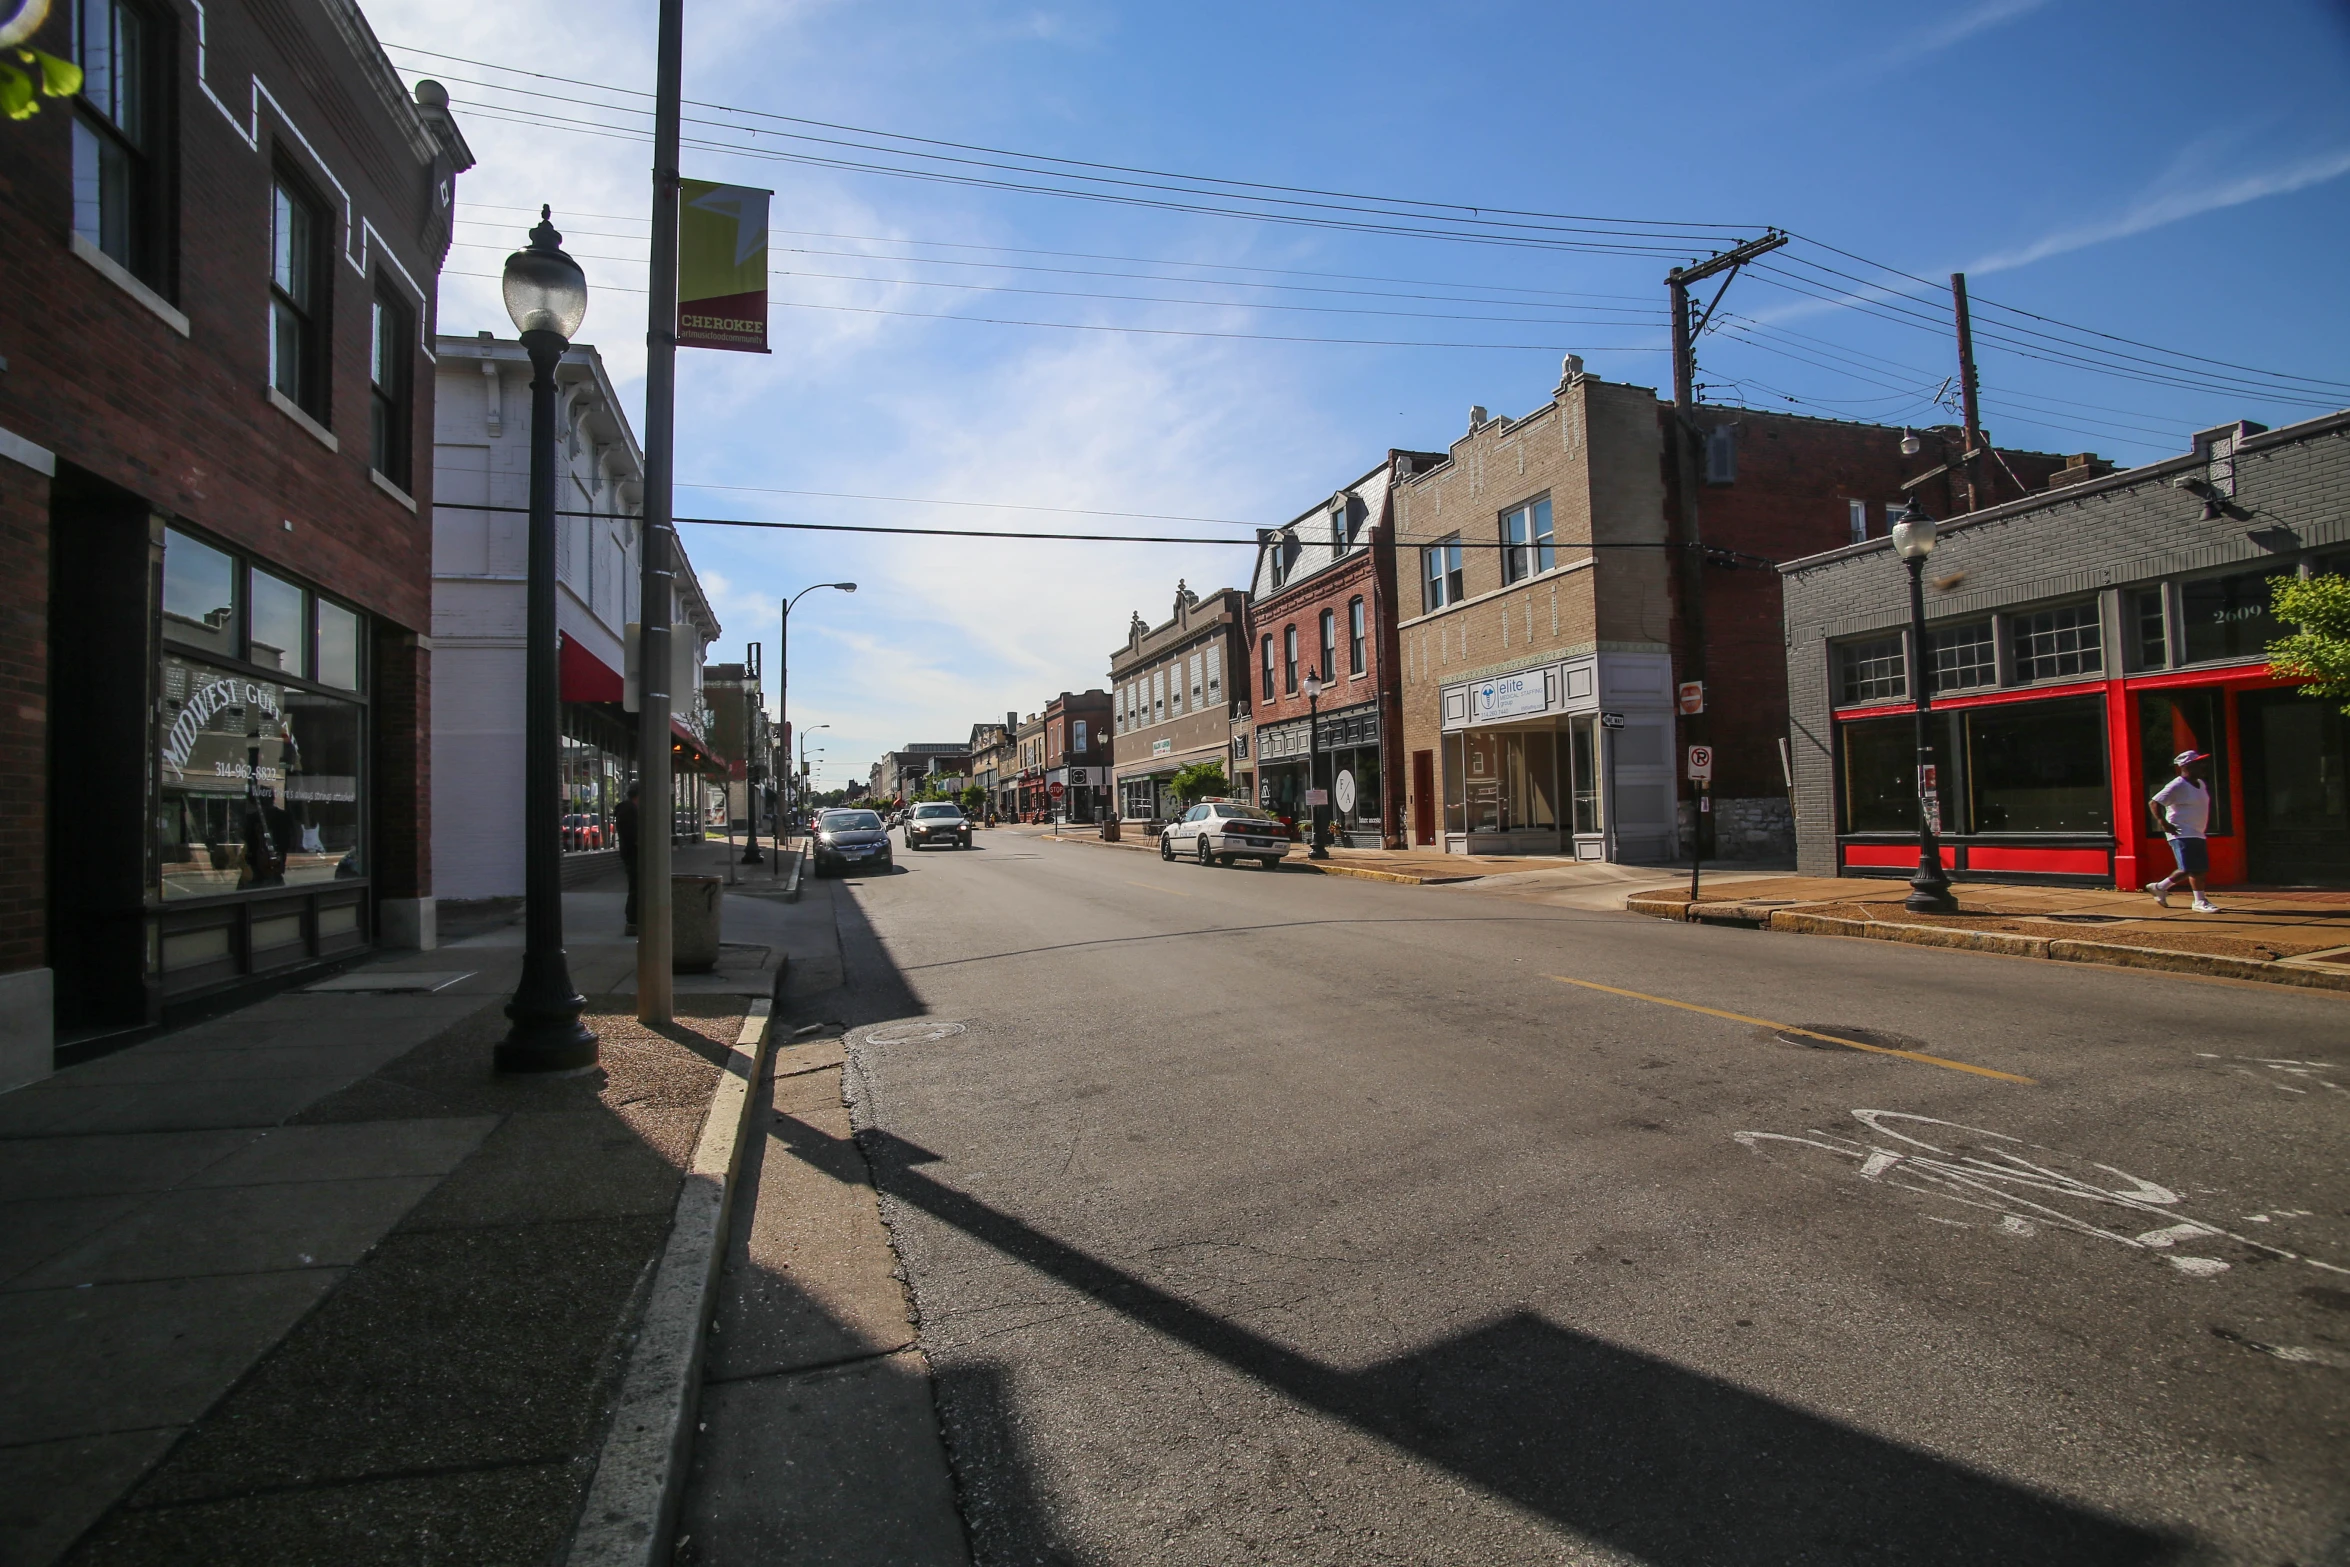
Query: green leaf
point(59, 78)
point(16, 93)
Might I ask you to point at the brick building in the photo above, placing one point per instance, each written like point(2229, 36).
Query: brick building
point(2079, 638)
point(1077, 742)
point(995, 763)
point(1322, 601)
point(222, 259)
point(1543, 633)
point(1174, 688)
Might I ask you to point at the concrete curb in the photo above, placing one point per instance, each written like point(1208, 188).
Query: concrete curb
point(2005, 943)
point(632, 1503)
point(792, 877)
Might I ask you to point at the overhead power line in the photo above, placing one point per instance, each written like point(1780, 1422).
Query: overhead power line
point(1156, 331)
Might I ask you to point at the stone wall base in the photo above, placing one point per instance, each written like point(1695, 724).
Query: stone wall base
point(1758, 828)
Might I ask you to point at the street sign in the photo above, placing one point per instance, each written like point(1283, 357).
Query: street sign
point(1317, 797)
point(1611, 720)
point(1701, 764)
point(1692, 696)
point(1056, 790)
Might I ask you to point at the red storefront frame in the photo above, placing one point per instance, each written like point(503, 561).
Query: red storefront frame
point(2139, 853)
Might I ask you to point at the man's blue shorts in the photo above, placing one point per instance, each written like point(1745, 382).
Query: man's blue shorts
point(2193, 855)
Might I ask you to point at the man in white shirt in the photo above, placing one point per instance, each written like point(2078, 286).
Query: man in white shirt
point(2182, 813)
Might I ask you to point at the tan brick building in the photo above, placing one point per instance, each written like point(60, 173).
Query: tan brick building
point(1537, 671)
point(1173, 689)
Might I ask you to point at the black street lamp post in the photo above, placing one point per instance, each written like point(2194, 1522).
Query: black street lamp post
point(751, 769)
point(546, 294)
point(1929, 889)
point(1318, 842)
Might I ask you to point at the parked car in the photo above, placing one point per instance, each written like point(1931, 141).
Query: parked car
point(1217, 832)
point(938, 822)
point(849, 838)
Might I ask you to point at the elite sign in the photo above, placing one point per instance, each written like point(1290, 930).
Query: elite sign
point(722, 267)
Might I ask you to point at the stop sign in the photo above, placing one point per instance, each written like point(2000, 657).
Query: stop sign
point(1057, 790)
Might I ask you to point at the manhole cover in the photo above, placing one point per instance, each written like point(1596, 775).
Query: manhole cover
point(912, 1033)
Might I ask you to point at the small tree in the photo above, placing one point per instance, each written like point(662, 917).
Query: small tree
point(973, 800)
point(2317, 656)
point(1200, 781)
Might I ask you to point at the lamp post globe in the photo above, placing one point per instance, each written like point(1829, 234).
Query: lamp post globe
point(1929, 887)
point(546, 294)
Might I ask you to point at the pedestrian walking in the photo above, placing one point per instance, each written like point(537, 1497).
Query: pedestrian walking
point(624, 829)
point(2182, 813)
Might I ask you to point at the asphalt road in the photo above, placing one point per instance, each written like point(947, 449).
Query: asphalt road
point(1263, 1217)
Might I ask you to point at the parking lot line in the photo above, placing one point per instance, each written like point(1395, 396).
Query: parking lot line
point(1808, 1033)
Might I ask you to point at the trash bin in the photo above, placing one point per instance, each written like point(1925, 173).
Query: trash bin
point(693, 923)
point(1109, 829)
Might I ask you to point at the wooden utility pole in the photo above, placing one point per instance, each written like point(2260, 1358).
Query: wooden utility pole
point(656, 810)
point(1685, 438)
point(1966, 392)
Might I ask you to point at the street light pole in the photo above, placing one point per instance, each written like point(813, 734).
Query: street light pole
point(1929, 888)
point(751, 854)
point(546, 294)
point(783, 657)
point(1316, 847)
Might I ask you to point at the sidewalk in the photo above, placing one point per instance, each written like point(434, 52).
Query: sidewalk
point(308, 1282)
point(2278, 937)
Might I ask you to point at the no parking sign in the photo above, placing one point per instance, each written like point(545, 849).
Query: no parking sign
point(1701, 764)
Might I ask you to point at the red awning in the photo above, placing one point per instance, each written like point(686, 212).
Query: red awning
point(587, 678)
point(696, 753)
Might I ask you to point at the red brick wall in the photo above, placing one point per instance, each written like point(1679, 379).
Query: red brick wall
point(24, 717)
point(185, 422)
point(1795, 476)
point(1357, 576)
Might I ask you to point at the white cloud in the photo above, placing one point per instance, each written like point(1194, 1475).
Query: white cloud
point(2169, 202)
point(1936, 38)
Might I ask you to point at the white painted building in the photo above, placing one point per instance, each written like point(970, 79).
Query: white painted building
point(481, 458)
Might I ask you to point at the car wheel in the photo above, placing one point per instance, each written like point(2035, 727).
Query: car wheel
point(1166, 846)
point(1271, 865)
point(1205, 858)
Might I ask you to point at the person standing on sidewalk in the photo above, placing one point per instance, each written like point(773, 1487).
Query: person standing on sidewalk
point(624, 829)
point(2182, 813)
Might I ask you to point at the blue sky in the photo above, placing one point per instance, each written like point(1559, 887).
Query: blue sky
point(2170, 173)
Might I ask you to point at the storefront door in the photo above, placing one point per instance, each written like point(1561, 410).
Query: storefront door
point(2297, 790)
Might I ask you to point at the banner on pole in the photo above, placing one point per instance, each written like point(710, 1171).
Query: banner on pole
point(722, 267)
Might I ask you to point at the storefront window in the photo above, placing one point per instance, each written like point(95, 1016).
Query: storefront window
point(2173, 721)
point(1870, 671)
point(2052, 644)
point(2039, 767)
point(260, 784)
point(1509, 780)
point(1880, 775)
point(199, 594)
point(338, 646)
point(279, 637)
point(1354, 773)
point(2228, 617)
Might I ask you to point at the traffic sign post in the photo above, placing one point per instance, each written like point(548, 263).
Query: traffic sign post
point(1701, 773)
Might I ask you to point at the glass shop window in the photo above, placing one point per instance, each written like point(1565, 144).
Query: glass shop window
point(2143, 609)
point(260, 784)
point(279, 638)
point(2051, 644)
point(1871, 671)
point(1583, 746)
point(2228, 617)
point(1963, 657)
point(1880, 775)
point(2039, 767)
point(338, 646)
point(199, 594)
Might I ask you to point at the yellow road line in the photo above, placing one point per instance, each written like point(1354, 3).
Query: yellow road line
point(1149, 887)
point(1808, 1033)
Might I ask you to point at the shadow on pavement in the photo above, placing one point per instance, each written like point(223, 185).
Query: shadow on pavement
point(1668, 1465)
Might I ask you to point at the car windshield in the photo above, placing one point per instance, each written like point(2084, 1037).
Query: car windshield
point(851, 821)
point(927, 811)
point(1246, 813)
